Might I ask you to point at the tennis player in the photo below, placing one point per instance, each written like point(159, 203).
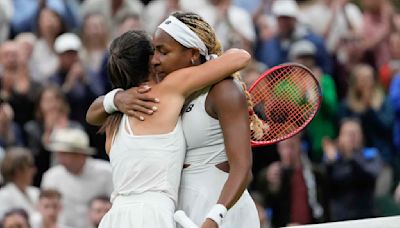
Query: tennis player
point(147, 156)
point(215, 124)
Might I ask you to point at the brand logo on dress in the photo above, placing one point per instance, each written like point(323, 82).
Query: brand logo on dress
point(189, 108)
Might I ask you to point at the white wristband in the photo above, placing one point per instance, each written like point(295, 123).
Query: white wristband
point(108, 102)
point(217, 213)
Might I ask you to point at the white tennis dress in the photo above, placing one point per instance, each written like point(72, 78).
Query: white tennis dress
point(146, 175)
point(202, 182)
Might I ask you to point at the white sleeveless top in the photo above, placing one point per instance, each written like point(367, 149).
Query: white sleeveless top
point(142, 163)
point(204, 139)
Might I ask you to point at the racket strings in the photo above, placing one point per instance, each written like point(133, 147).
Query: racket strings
point(286, 100)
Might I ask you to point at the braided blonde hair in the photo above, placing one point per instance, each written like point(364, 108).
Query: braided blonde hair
point(207, 34)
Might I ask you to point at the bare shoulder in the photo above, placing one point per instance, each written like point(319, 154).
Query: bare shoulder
point(227, 90)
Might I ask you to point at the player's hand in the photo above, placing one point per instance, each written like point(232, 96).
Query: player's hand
point(135, 102)
point(209, 224)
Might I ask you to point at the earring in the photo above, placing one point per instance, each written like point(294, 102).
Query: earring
point(192, 60)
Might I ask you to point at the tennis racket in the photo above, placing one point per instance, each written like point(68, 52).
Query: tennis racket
point(285, 98)
point(181, 218)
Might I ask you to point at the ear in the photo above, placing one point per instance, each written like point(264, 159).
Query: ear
point(195, 56)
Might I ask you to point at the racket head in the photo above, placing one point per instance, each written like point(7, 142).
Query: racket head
point(286, 98)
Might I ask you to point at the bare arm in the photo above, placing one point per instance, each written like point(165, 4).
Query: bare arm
point(230, 106)
point(133, 102)
point(188, 80)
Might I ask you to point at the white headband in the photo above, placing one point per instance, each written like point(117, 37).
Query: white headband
point(184, 35)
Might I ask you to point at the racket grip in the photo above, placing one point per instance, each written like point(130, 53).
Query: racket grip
point(181, 218)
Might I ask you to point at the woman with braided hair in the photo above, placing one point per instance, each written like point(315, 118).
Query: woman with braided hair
point(215, 122)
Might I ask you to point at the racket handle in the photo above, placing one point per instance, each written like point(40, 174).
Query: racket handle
point(181, 218)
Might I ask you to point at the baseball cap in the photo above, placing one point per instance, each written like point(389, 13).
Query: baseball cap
point(67, 42)
point(285, 8)
point(302, 48)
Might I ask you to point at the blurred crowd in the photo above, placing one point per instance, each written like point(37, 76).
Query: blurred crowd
point(344, 165)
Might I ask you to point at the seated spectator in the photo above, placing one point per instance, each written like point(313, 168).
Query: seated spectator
point(394, 95)
point(18, 169)
point(323, 124)
point(292, 187)
point(352, 170)
point(262, 211)
point(15, 218)
point(98, 207)
point(275, 51)
point(78, 177)
point(49, 207)
point(6, 13)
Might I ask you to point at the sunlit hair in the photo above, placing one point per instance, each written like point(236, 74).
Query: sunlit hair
point(207, 34)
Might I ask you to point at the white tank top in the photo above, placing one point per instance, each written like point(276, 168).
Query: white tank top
point(142, 163)
point(204, 139)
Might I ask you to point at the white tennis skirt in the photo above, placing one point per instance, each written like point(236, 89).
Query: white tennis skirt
point(150, 209)
point(199, 191)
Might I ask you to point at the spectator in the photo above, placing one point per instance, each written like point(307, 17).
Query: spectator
point(52, 111)
point(78, 177)
point(95, 38)
point(275, 51)
point(367, 101)
point(49, 26)
point(112, 10)
point(388, 70)
point(10, 134)
point(16, 218)
point(352, 170)
point(129, 22)
point(337, 19)
point(233, 25)
point(18, 170)
point(71, 76)
point(304, 52)
point(17, 86)
point(98, 207)
point(291, 187)
point(27, 42)
point(49, 207)
point(377, 25)
point(158, 10)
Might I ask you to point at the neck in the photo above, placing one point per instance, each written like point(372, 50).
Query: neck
point(21, 185)
point(47, 223)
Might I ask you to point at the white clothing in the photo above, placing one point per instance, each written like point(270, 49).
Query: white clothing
point(202, 182)
point(77, 191)
point(200, 189)
point(204, 141)
point(44, 61)
point(143, 163)
point(145, 210)
point(240, 21)
point(339, 28)
point(128, 7)
point(146, 175)
point(11, 198)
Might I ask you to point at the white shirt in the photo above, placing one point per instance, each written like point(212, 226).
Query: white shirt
point(318, 15)
point(11, 198)
point(77, 191)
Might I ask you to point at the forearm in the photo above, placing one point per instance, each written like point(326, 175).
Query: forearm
point(234, 186)
point(96, 115)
